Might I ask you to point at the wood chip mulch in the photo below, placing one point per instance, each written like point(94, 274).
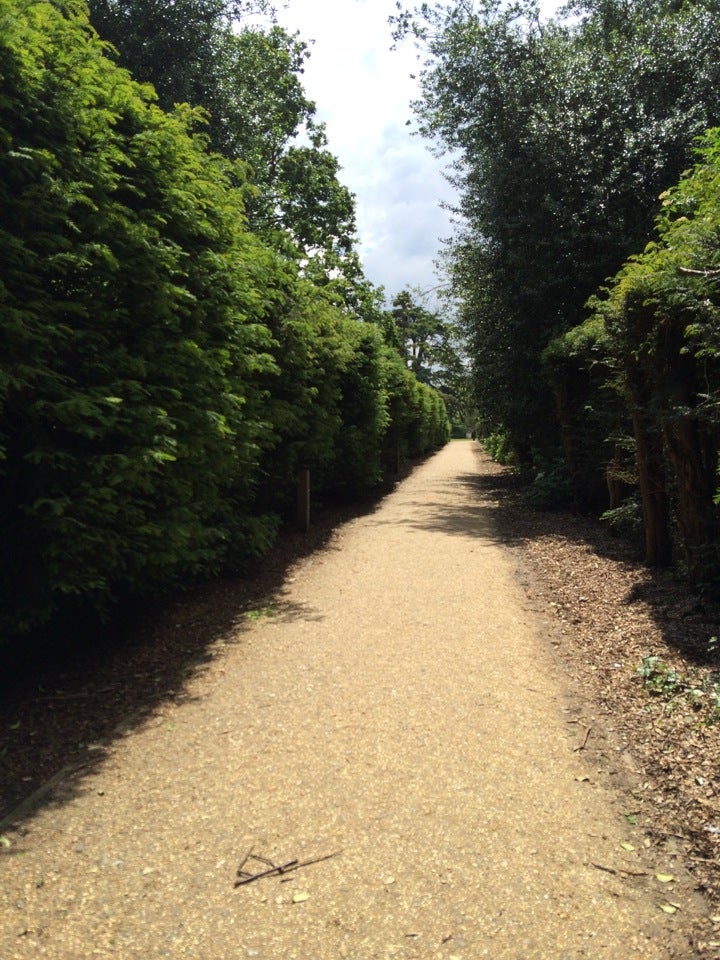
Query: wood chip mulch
point(612, 613)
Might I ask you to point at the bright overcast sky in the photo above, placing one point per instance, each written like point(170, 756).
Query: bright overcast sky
point(363, 91)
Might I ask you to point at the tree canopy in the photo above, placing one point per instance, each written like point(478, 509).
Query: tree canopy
point(248, 80)
point(565, 132)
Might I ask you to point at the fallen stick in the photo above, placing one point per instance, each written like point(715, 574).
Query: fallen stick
point(244, 877)
point(307, 863)
point(243, 862)
point(281, 868)
point(628, 873)
point(584, 743)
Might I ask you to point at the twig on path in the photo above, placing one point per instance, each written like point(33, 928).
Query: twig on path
point(243, 862)
point(244, 877)
point(584, 743)
point(275, 869)
point(620, 870)
point(327, 856)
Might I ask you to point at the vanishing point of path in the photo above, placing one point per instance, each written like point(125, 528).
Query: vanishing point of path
point(397, 707)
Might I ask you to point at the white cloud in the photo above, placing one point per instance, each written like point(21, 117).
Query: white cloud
point(363, 92)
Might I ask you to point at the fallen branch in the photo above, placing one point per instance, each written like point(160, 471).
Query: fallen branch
point(244, 878)
point(307, 863)
point(275, 869)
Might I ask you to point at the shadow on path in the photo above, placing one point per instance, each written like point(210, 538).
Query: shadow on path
point(686, 620)
point(65, 698)
point(494, 510)
point(62, 704)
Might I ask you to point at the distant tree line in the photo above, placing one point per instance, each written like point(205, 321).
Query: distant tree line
point(183, 317)
point(570, 138)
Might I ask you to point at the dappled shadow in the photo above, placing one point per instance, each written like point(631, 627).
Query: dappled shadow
point(468, 519)
point(493, 508)
point(474, 515)
point(685, 620)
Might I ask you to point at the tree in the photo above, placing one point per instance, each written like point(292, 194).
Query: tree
point(661, 315)
point(566, 132)
point(176, 46)
point(248, 80)
point(417, 333)
point(132, 306)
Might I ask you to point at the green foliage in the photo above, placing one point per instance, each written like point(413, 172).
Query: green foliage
point(498, 447)
point(658, 677)
point(700, 692)
point(626, 519)
point(163, 369)
point(661, 319)
point(565, 133)
point(248, 82)
point(365, 419)
point(178, 47)
point(417, 333)
point(550, 488)
point(432, 349)
point(130, 422)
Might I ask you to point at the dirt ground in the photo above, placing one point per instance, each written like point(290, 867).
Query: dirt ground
point(438, 702)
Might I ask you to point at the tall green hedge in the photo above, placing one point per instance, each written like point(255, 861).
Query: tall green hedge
point(132, 301)
point(163, 373)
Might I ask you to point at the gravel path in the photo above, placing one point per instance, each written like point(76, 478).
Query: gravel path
point(397, 706)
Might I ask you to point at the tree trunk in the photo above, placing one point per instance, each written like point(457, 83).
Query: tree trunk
point(651, 478)
point(695, 476)
point(580, 445)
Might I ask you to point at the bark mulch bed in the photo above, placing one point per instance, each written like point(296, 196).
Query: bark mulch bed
point(612, 614)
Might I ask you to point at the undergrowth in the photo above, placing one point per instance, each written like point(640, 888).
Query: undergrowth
point(700, 691)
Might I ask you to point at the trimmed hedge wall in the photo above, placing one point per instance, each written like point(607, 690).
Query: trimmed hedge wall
point(163, 373)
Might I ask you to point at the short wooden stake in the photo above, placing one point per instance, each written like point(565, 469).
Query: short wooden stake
point(303, 500)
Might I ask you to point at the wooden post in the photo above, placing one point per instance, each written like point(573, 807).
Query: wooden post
point(303, 500)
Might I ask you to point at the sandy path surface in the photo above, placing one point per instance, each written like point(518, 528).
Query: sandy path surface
point(397, 706)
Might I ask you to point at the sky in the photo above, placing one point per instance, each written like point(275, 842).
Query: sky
point(363, 92)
